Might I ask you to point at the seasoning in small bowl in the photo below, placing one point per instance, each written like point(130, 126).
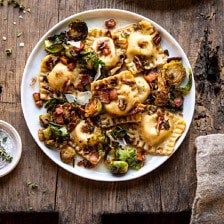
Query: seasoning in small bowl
point(10, 148)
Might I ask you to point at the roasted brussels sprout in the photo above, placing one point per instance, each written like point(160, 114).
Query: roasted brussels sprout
point(41, 135)
point(67, 154)
point(93, 108)
point(53, 48)
point(54, 44)
point(51, 143)
point(45, 119)
point(58, 132)
point(78, 30)
point(174, 72)
point(186, 89)
point(118, 167)
point(111, 156)
point(128, 154)
point(47, 133)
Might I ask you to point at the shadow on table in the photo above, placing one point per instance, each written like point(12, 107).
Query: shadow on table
point(163, 4)
point(130, 218)
point(147, 218)
point(29, 217)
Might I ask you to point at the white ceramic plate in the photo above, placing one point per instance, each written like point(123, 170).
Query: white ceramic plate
point(96, 18)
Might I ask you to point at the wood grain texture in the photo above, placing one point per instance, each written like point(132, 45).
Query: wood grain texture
point(172, 186)
point(34, 166)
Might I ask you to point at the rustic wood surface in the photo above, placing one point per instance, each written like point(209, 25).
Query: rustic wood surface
point(197, 26)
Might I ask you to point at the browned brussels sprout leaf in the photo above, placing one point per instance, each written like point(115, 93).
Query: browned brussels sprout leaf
point(186, 89)
point(78, 30)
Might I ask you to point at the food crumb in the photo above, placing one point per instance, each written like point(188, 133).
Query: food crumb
point(32, 185)
point(33, 81)
point(14, 23)
point(19, 34)
point(8, 52)
point(21, 44)
point(20, 17)
point(4, 38)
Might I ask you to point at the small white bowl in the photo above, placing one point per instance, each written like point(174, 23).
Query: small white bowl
point(17, 147)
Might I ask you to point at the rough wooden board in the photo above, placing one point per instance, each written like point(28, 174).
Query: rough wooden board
point(169, 188)
point(34, 166)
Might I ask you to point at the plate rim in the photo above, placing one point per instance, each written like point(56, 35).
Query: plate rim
point(22, 89)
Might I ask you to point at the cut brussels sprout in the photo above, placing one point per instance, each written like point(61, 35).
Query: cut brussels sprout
point(128, 154)
point(174, 72)
point(118, 167)
point(53, 48)
point(54, 44)
point(93, 108)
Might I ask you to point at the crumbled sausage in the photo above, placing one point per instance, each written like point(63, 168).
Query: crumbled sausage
point(37, 100)
point(113, 94)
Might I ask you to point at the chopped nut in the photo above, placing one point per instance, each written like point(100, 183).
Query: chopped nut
point(71, 66)
point(39, 103)
point(110, 23)
point(36, 96)
point(157, 39)
point(63, 60)
point(122, 104)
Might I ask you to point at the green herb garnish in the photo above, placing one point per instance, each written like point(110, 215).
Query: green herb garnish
point(5, 156)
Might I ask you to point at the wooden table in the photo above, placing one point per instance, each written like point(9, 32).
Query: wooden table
point(169, 188)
